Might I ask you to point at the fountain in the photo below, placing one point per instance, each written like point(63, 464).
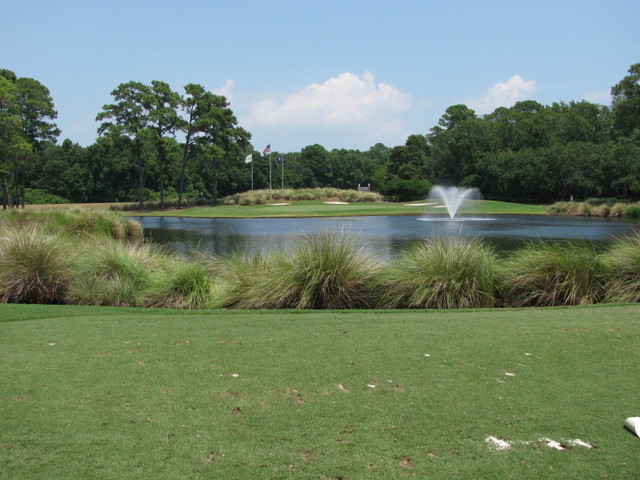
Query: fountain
point(452, 197)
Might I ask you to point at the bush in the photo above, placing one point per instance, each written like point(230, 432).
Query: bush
point(632, 211)
point(37, 196)
point(542, 274)
point(35, 267)
point(439, 274)
point(622, 262)
point(401, 190)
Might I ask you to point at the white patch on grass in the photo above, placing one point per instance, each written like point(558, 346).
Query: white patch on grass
point(509, 374)
point(579, 443)
point(552, 444)
point(337, 203)
point(498, 443)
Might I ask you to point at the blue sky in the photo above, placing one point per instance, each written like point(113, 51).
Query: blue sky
point(344, 74)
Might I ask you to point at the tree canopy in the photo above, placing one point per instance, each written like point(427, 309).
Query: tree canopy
point(155, 143)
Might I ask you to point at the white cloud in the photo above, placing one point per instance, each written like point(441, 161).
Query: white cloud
point(503, 95)
point(226, 90)
point(599, 96)
point(348, 101)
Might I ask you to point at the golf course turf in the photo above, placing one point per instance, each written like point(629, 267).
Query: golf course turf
point(112, 393)
point(326, 209)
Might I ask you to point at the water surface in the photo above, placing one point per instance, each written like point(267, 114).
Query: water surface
point(385, 235)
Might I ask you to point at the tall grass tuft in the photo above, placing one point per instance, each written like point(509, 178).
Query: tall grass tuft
point(622, 261)
point(239, 275)
point(184, 283)
point(439, 274)
point(115, 273)
point(75, 222)
point(542, 274)
point(35, 267)
point(260, 197)
point(326, 271)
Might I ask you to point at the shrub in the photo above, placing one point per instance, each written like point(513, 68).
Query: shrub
point(542, 274)
point(622, 262)
point(439, 274)
point(37, 196)
point(632, 211)
point(35, 267)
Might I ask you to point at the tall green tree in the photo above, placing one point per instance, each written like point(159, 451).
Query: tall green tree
point(163, 121)
point(26, 124)
point(214, 130)
point(626, 103)
point(129, 117)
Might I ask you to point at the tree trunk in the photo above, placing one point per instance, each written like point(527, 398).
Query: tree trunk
point(183, 167)
point(6, 195)
point(214, 179)
point(138, 155)
point(161, 162)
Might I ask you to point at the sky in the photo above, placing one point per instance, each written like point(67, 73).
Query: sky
point(343, 74)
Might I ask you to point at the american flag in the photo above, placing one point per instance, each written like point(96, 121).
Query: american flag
point(267, 149)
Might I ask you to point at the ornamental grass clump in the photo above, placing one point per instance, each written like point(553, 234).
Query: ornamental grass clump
point(115, 273)
point(622, 262)
point(439, 274)
point(35, 267)
point(543, 274)
point(241, 279)
point(184, 283)
point(325, 271)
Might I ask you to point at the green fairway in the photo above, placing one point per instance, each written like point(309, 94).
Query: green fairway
point(322, 209)
point(108, 393)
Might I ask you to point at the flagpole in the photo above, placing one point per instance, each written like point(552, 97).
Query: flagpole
point(252, 173)
point(282, 171)
point(269, 166)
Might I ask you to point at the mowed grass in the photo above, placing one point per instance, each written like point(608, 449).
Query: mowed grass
point(322, 209)
point(108, 393)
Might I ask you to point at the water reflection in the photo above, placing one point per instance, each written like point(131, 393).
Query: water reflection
point(384, 235)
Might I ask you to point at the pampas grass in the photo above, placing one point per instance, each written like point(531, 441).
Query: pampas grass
point(542, 274)
point(439, 274)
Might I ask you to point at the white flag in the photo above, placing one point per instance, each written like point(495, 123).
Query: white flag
point(249, 158)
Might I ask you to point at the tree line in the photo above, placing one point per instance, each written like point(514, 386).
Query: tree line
point(160, 145)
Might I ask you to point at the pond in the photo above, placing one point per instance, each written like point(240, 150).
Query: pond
point(384, 235)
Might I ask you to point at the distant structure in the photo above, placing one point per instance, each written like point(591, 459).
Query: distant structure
point(366, 189)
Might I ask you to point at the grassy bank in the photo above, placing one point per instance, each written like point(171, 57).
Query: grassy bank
point(315, 208)
point(105, 393)
point(84, 258)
